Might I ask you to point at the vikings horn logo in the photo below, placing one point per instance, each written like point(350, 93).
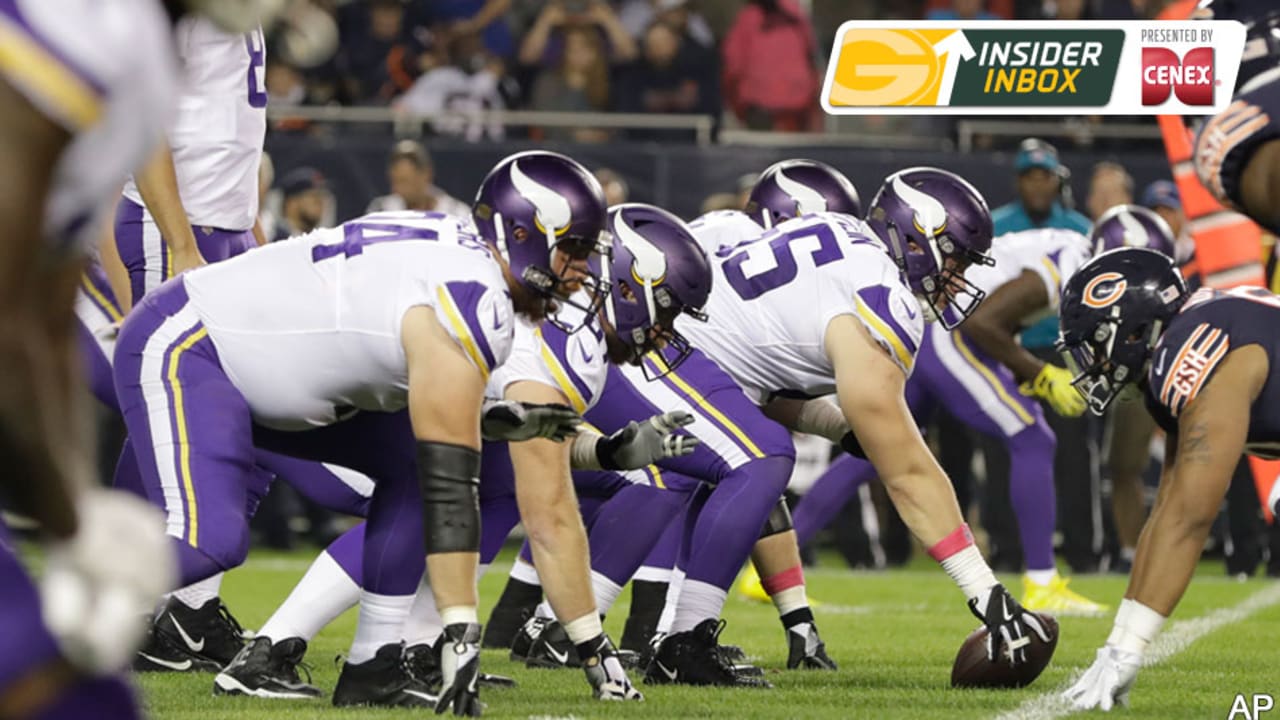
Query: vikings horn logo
point(1104, 290)
point(650, 265)
point(1134, 234)
point(807, 199)
point(552, 213)
point(928, 214)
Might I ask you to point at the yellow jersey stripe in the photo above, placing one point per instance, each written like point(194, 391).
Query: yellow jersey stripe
point(707, 407)
point(576, 401)
point(35, 70)
point(462, 331)
point(1053, 273)
point(905, 358)
point(100, 300)
point(184, 445)
point(657, 476)
point(992, 380)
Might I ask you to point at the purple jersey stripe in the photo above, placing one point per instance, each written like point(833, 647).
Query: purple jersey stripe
point(876, 299)
point(466, 296)
point(558, 342)
point(10, 11)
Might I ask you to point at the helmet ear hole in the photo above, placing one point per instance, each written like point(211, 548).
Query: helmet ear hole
point(624, 288)
point(520, 234)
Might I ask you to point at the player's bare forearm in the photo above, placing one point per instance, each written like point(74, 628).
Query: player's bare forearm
point(33, 386)
point(113, 267)
point(259, 237)
point(158, 185)
point(1210, 439)
point(870, 389)
point(549, 512)
point(1131, 430)
point(993, 327)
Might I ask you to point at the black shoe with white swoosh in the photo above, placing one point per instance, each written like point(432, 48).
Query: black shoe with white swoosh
point(268, 670)
point(182, 639)
point(553, 649)
point(385, 680)
point(693, 657)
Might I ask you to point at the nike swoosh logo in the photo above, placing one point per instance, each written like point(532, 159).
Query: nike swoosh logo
point(671, 674)
point(1160, 364)
point(1007, 615)
point(497, 321)
point(585, 357)
point(179, 666)
point(191, 644)
point(561, 657)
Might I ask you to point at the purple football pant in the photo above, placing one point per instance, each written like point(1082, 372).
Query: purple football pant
point(26, 647)
point(96, 315)
point(195, 443)
point(146, 255)
point(953, 372)
point(745, 456)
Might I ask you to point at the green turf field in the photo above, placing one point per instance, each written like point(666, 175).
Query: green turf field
point(894, 635)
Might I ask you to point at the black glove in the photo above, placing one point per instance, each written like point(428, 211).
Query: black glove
point(515, 421)
point(460, 669)
point(1009, 626)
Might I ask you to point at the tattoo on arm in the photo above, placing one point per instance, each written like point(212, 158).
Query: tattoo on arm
point(1193, 442)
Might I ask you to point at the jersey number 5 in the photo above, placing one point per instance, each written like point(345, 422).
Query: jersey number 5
point(770, 263)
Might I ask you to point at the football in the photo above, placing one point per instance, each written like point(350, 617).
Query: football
point(973, 669)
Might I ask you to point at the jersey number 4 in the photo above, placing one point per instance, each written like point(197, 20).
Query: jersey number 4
point(356, 236)
point(770, 262)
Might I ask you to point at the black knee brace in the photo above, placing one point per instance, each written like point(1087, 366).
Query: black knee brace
point(449, 476)
point(779, 520)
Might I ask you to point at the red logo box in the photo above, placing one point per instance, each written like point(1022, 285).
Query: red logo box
point(1189, 78)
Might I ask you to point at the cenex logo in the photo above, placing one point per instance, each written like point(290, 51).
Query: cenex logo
point(1189, 78)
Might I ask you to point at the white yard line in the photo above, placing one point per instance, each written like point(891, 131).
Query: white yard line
point(1180, 635)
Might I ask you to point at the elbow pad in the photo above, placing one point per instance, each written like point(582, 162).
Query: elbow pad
point(449, 477)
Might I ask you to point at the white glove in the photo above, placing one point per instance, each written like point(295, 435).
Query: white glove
point(643, 443)
point(460, 670)
point(1107, 682)
point(608, 678)
point(100, 585)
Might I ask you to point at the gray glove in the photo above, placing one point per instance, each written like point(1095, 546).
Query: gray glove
point(643, 443)
point(515, 421)
point(460, 670)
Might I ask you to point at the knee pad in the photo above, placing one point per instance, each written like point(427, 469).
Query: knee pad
point(449, 477)
point(779, 520)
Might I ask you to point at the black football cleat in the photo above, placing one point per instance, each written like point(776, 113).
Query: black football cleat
point(514, 608)
point(553, 649)
point(528, 635)
point(693, 657)
point(424, 664)
point(184, 640)
point(806, 650)
point(268, 670)
point(386, 681)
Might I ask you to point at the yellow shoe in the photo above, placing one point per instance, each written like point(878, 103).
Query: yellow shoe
point(750, 587)
point(1056, 599)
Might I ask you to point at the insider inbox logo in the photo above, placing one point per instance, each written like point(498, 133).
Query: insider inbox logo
point(1187, 76)
point(1033, 67)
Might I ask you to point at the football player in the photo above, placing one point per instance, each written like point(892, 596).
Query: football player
point(989, 382)
point(86, 87)
point(1202, 363)
point(389, 326)
point(1237, 153)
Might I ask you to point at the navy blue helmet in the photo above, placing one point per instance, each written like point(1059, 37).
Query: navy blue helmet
point(1113, 311)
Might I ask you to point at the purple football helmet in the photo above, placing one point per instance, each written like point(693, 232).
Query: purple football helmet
point(656, 271)
point(793, 188)
point(935, 225)
point(1131, 226)
point(534, 203)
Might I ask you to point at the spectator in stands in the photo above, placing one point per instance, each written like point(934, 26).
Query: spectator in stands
point(615, 187)
point(459, 74)
point(1067, 10)
point(637, 15)
point(544, 44)
point(306, 195)
point(770, 78)
point(1110, 185)
point(484, 17)
point(1163, 198)
point(962, 10)
point(1039, 186)
point(720, 201)
point(746, 183)
point(379, 56)
point(268, 212)
point(670, 77)
point(411, 176)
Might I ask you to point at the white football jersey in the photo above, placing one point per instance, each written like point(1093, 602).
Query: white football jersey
point(576, 364)
point(772, 299)
point(216, 136)
point(445, 203)
point(105, 72)
point(724, 229)
point(308, 329)
point(1052, 254)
